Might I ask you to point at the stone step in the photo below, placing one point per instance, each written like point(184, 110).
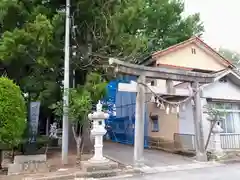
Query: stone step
point(102, 173)
point(91, 167)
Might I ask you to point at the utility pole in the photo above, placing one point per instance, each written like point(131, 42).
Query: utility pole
point(66, 86)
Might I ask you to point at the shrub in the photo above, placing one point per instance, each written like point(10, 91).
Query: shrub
point(12, 113)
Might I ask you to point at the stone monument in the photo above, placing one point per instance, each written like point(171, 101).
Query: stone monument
point(25, 164)
point(98, 162)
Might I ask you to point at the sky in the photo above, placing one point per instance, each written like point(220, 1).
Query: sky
point(221, 20)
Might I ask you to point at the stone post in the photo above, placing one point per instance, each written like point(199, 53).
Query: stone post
point(139, 122)
point(201, 154)
point(98, 131)
point(217, 149)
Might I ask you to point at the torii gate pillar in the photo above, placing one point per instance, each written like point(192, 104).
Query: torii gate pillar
point(139, 122)
point(199, 137)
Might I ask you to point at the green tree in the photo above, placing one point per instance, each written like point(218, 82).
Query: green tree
point(32, 38)
point(12, 114)
point(230, 55)
point(33, 30)
point(214, 116)
point(82, 100)
point(129, 29)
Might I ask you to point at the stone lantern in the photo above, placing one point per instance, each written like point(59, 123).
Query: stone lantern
point(98, 131)
point(217, 149)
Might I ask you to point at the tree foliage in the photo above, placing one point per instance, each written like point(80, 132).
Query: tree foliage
point(81, 102)
point(214, 116)
point(30, 47)
point(83, 98)
point(230, 55)
point(131, 28)
point(32, 38)
point(12, 113)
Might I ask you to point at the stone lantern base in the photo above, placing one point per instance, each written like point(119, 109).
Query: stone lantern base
point(90, 166)
point(95, 160)
point(101, 169)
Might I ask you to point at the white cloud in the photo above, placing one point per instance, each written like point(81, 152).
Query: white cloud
point(221, 21)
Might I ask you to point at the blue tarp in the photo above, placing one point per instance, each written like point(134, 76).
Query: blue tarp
point(121, 127)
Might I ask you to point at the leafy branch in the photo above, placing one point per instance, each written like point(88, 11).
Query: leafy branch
point(214, 116)
point(81, 101)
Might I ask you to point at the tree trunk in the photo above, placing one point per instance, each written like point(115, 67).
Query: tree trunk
point(1, 158)
point(71, 140)
point(88, 145)
point(78, 142)
point(47, 126)
point(81, 151)
point(209, 135)
point(12, 155)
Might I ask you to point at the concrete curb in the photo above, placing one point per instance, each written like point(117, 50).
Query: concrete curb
point(129, 168)
point(229, 161)
point(179, 167)
point(76, 175)
point(71, 176)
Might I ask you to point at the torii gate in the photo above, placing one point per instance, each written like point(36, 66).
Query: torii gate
point(170, 75)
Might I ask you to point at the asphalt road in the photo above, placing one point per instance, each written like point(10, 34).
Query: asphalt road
point(225, 172)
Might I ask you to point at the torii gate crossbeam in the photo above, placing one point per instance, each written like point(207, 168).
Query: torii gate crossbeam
point(160, 72)
point(168, 74)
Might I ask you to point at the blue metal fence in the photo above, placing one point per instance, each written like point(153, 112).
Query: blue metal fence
point(120, 126)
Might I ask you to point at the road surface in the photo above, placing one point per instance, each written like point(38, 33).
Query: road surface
point(224, 172)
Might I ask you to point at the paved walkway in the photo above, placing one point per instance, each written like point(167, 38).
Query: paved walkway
point(152, 158)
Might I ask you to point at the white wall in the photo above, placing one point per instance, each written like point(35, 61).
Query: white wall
point(218, 90)
point(186, 121)
point(221, 90)
point(186, 125)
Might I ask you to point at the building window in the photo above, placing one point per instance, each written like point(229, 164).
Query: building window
point(193, 51)
point(155, 126)
point(231, 114)
point(155, 123)
point(223, 80)
point(152, 83)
